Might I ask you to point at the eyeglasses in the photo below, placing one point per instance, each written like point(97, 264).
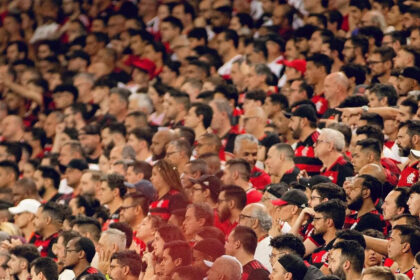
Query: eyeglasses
point(318, 218)
point(314, 197)
point(71, 250)
point(196, 189)
point(248, 118)
point(221, 200)
point(243, 216)
point(127, 207)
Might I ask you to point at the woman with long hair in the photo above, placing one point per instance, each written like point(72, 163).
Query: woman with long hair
point(165, 178)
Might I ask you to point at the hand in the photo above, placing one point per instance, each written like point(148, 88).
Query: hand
point(104, 260)
point(308, 211)
point(351, 111)
point(302, 174)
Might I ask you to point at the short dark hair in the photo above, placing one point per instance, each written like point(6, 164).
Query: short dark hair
point(47, 266)
point(10, 166)
point(240, 165)
point(86, 245)
point(235, 193)
point(203, 110)
point(289, 242)
point(279, 99)
point(170, 232)
point(175, 22)
point(329, 191)
point(257, 95)
point(114, 181)
point(360, 41)
point(27, 251)
point(411, 235)
point(371, 132)
point(373, 184)
point(139, 199)
point(180, 249)
point(372, 32)
point(321, 60)
point(142, 167)
point(247, 237)
point(372, 145)
point(351, 234)
point(49, 172)
point(198, 33)
point(373, 119)
point(231, 35)
point(354, 70)
point(334, 209)
point(203, 210)
point(54, 210)
point(68, 88)
point(142, 134)
point(411, 103)
point(130, 259)
point(352, 251)
point(13, 149)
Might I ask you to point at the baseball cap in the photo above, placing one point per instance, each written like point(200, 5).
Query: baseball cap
point(146, 65)
point(26, 205)
point(210, 246)
point(312, 181)
point(231, 258)
point(145, 187)
point(277, 190)
point(305, 111)
point(294, 197)
point(293, 264)
point(298, 64)
point(411, 72)
point(210, 182)
point(78, 164)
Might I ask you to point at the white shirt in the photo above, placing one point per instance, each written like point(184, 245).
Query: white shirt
point(227, 67)
point(262, 253)
point(67, 274)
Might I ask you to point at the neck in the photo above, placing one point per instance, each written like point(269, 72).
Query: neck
point(366, 207)
point(289, 137)
point(305, 133)
point(28, 230)
point(16, 137)
point(114, 204)
point(260, 233)
point(231, 54)
point(137, 222)
point(284, 167)
point(330, 159)
point(210, 202)
point(244, 258)
point(329, 235)
point(292, 221)
point(319, 87)
point(180, 116)
point(224, 130)
point(121, 115)
point(49, 193)
point(48, 231)
point(235, 216)
point(199, 130)
point(405, 262)
point(259, 132)
point(359, 60)
point(144, 154)
point(80, 267)
point(385, 77)
point(163, 191)
point(353, 275)
point(97, 152)
point(337, 100)
point(23, 275)
point(273, 57)
point(181, 166)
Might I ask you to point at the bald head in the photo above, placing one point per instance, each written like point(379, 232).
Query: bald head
point(12, 128)
point(373, 170)
point(159, 142)
point(339, 79)
point(229, 267)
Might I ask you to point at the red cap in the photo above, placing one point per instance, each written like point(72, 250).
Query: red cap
point(279, 202)
point(146, 65)
point(298, 64)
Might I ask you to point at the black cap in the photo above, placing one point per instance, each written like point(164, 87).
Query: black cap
point(277, 190)
point(210, 182)
point(145, 187)
point(80, 164)
point(294, 197)
point(295, 265)
point(305, 111)
point(210, 246)
point(411, 72)
point(312, 181)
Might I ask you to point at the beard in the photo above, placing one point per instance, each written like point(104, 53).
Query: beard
point(404, 151)
point(224, 214)
point(296, 133)
point(356, 204)
point(42, 191)
point(339, 272)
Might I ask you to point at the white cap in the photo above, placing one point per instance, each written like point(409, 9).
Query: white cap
point(415, 153)
point(26, 205)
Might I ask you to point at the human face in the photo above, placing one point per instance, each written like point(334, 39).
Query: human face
point(393, 16)
point(191, 225)
point(330, 88)
point(35, 276)
point(204, 146)
point(73, 176)
point(320, 223)
point(40, 220)
point(349, 52)
point(291, 51)
point(227, 177)
point(87, 185)
point(395, 245)
point(248, 151)
point(158, 244)
point(15, 264)
point(192, 120)
point(295, 127)
point(279, 273)
point(376, 64)
point(213, 273)
point(246, 217)
point(62, 99)
point(404, 142)
point(89, 143)
point(128, 213)
point(416, 270)
point(372, 258)
point(354, 194)
point(72, 255)
point(315, 199)
point(335, 264)
point(198, 194)
point(315, 42)
point(360, 158)
point(295, 93)
point(105, 195)
point(173, 155)
point(402, 59)
point(273, 161)
point(222, 207)
point(414, 204)
point(415, 38)
point(230, 245)
point(115, 270)
point(167, 32)
point(322, 147)
point(389, 207)
point(157, 179)
point(373, 100)
point(60, 250)
point(158, 144)
point(145, 230)
point(312, 74)
point(23, 219)
point(405, 85)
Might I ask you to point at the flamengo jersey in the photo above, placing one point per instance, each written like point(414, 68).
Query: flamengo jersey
point(305, 156)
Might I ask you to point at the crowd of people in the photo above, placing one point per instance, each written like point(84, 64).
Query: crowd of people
point(212, 139)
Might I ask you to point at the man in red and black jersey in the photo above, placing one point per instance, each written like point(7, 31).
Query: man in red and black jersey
point(111, 194)
point(246, 147)
point(328, 149)
point(48, 222)
point(407, 140)
point(362, 193)
point(280, 163)
point(241, 244)
point(328, 219)
point(303, 127)
point(79, 254)
point(403, 246)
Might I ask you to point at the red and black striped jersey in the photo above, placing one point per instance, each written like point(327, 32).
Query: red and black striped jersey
point(305, 156)
point(339, 171)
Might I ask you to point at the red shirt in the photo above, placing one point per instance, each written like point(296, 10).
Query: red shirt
point(321, 104)
point(253, 196)
point(259, 178)
point(409, 175)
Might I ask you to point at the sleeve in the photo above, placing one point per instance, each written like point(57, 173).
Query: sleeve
point(259, 274)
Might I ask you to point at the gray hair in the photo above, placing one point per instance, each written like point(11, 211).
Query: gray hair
point(116, 237)
point(264, 219)
point(243, 137)
point(335, 137)
point(223, 106)
point(143, 102)
point(128, 153)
